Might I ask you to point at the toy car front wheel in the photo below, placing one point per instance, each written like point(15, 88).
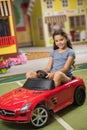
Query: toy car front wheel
point(79, 96)
point(39, 117)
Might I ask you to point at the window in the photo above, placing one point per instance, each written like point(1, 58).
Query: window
point(77, 28)
point(4, 27)
point(5, 11)
point(79, 2)
point(53, 27)
point(49, 4)
point(77, 21)
point(64, 3)
point(82, 20)
point(72, 23)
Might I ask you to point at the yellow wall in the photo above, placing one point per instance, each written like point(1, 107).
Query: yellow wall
point(24, 36)
point(36, 14)
point(58, 6)
point(8, 50)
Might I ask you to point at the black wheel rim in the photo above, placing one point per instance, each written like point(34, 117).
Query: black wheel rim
point(80, 96)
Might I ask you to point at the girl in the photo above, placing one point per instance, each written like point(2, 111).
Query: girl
point(60, 62)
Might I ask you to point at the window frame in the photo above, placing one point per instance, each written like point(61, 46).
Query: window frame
point(75, 23)
point(49, 2)
point(81, 2)
point(65, 1)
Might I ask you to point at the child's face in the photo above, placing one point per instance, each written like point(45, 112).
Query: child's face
point(60, 41)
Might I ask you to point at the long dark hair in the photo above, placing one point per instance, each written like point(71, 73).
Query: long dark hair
point(62, 33)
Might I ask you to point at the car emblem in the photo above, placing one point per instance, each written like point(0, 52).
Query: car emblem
point(3, 112)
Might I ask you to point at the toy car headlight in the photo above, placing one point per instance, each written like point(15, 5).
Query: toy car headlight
point(25, 108)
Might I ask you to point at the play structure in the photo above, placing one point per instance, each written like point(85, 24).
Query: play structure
point(8, 44)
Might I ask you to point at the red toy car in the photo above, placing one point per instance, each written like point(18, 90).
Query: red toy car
point(33, 101)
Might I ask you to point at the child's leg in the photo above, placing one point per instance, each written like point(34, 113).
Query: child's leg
point(60, 77)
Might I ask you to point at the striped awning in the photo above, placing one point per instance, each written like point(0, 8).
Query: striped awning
point(30, 7)
point(5, 9)
point(60, 19)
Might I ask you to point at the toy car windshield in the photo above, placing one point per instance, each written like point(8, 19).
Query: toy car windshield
point(39, 84)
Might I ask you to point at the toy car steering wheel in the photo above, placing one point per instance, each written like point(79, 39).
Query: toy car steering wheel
point(41, 74)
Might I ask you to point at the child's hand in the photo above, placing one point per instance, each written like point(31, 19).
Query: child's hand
point(50, 75)
point(31, 75)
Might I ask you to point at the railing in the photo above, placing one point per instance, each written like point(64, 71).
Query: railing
point(7, 41)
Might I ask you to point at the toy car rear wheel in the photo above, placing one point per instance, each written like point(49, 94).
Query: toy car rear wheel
point(39, 117)
point(79, 96)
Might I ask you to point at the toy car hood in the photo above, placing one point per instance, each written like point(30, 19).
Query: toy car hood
point(19, 97)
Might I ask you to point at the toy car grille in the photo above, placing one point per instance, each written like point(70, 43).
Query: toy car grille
point(4, 112)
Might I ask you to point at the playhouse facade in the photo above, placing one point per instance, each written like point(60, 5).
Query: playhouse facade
point(49, 15)
point(36, 20)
